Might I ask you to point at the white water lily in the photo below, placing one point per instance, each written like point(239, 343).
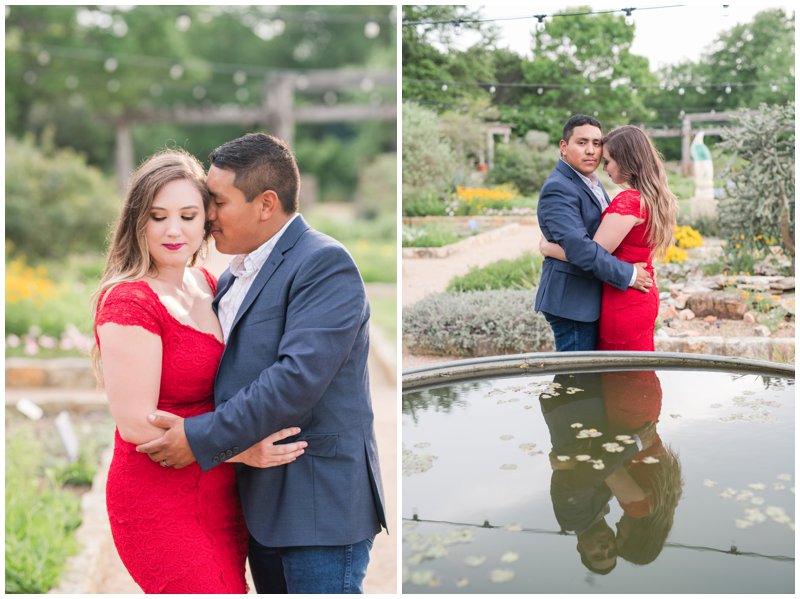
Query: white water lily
point(755, 515)
point(473, 561)
point(757, 501)
point(509, 557)
point(576, 425)
point(757, 486)
point(562, 458)
point(461, 583)
point(785, 477)
point(623, 437)
point(743, 523)
point(728, 493)
point(650, 460)
point(778, 486)
point(613, 447)
point(598, 464)
point(583, 457)
point(501, 575)
point(709, 483)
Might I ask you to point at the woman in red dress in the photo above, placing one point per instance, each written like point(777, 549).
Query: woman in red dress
point(637, 225)
point(176, 530)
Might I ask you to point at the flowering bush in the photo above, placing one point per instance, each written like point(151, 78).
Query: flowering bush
point(675, 254)
point(474, 200)
point(24, 282)
point(44, 315)
point(686, 237)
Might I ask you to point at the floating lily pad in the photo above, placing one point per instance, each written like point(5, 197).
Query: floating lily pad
point(506, 437)
point(462, 583)
point(508, 467)
point(709, 483)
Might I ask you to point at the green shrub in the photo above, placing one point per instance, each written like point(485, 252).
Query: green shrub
point(377, 187)
point(56, 205)
point(40, 519)
point(522, 272)
point(477, 323)
point(760, 192)
point(424, 204)
point(522, 165)
point(429, 235)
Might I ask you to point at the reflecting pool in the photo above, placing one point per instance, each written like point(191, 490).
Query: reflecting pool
point(628, 481)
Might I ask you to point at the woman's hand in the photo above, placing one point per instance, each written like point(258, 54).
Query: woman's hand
point(551, 250)
point(266, 454)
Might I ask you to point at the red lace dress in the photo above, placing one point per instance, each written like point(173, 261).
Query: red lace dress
point(628, 318)
point(176, 530)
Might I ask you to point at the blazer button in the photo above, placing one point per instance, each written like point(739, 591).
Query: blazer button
point(236, 449)
point(215, 459)
point(228, 453)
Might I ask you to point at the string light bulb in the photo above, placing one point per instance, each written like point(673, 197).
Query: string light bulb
point(628, 16)
point(540, 22)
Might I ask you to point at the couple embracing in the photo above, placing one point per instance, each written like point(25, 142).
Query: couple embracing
point(243, 413)
point(597, 288)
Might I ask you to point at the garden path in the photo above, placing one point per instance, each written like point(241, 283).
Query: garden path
point(423, 276)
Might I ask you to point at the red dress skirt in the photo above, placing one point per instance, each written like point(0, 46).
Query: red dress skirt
point(176, 530)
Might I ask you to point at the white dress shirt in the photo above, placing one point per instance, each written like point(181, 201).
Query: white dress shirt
point(245, 267)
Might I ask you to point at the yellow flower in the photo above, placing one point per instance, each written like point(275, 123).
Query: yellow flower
point(745, 294)
point(777, 298)
point(759, 298)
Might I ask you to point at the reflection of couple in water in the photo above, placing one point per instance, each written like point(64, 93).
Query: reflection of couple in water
point(605, 443)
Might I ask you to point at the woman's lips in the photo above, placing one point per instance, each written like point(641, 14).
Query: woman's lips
point(174, 246)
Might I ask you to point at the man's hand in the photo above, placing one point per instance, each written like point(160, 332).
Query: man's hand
point(643, 279)
point(172, 449)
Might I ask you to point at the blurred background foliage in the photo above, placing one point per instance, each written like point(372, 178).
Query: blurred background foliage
point(73, 72)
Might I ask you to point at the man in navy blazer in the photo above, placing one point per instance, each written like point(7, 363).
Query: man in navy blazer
point(571, 203)
point(294, 314)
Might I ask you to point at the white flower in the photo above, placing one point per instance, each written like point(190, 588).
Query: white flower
point(785, 477)
point(598, 464)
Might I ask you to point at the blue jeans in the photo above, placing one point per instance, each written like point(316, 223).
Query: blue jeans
point(573, 335)
point(337, 569)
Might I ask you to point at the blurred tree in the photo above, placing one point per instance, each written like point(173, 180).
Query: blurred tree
point(76, 68)
point(586, 69)
point(435, 73)
point(429, 162)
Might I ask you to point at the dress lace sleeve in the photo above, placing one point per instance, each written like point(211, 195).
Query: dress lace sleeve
point(131, 304)
point(627, 202)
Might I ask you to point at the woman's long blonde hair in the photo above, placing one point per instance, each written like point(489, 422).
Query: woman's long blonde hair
point(643, 168)
point(128, 257)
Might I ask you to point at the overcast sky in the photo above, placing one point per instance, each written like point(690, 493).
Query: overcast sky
point(665, 35)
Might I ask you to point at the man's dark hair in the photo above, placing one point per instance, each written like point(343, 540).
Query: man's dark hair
point(585, 561)
point(261, 162)
point(578, 120)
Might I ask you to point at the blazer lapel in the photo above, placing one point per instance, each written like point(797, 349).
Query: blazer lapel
point(276, 257)
point(568, 171)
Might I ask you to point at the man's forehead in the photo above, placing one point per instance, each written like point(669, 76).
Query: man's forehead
point(589, 132)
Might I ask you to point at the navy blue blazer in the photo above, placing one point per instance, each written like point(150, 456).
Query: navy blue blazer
point(297, 356)
point(569, 215)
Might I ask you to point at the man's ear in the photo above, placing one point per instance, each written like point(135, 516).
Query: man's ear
point(269, 203)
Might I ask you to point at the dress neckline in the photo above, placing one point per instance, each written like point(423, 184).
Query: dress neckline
point(174, 318)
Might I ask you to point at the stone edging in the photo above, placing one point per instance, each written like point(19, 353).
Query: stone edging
point(469, 242)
